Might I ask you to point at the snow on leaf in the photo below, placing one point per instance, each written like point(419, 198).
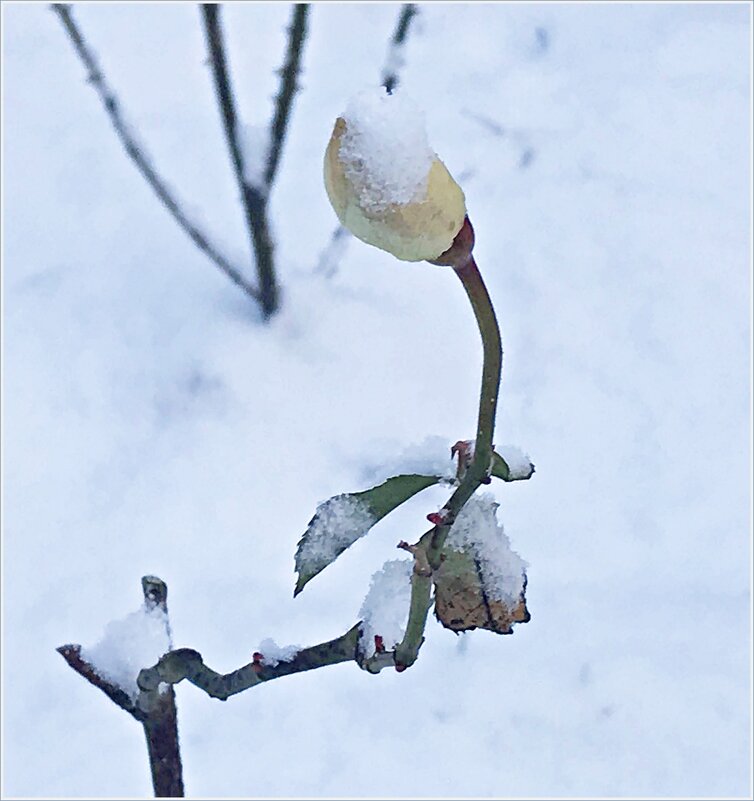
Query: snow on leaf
point(342, 520)
point(511, 464)
point(482, 581)
point(430, 457)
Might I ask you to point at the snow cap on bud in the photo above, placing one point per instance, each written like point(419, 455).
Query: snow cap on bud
point(386, 184)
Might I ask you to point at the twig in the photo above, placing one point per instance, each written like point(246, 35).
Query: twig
point(288, 87)
point(185, 663)
point(161, 725)
point(332, 254)
point(136, 153)
point(395, 54)
point(254, 198)
point(154, 708)
point(72, 655)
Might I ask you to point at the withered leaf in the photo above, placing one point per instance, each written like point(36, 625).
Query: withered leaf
point(462, 603)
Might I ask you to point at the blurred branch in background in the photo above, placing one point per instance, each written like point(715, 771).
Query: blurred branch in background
point(137, 155)
point(395, 60)
point(154, 709)
point(255, 192)
point(333, 253)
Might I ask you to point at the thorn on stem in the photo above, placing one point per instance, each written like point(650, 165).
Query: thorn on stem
point(437, 518)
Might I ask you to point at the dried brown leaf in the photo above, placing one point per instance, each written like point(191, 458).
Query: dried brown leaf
point(462, 603)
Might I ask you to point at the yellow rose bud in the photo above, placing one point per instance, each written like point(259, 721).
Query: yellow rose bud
point(387, 187)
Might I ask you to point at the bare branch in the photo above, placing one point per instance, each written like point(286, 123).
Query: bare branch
point(72, 655)
point(161, 724)
point(288, 87)
point(333, 253)
point(136, 153)
point(161, 732)
point(185, 663)
point(390, 72)
point(254, 198)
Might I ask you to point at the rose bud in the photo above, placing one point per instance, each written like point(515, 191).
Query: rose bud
point(386, 184)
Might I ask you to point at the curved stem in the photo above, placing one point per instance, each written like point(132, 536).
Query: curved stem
point(431, 544)
point(479, 470)
point(486, 319)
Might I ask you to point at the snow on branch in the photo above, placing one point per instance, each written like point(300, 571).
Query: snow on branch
point(136, 153)
point(113, 665)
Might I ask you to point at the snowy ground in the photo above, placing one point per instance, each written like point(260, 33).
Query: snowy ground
point(153, 425)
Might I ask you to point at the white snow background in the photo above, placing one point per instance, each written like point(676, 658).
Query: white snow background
point(152, 424)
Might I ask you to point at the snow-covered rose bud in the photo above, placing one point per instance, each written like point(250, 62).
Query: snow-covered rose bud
point(386, 184)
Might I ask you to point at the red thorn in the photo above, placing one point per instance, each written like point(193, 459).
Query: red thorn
point(379, 644)
point(436, 517)
point(257, 658)
point(400, 668)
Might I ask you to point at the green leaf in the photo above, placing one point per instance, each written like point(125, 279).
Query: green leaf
point(501, 470)
point(343, 519)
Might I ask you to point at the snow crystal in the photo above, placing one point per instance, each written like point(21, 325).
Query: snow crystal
point(518, 462)
point(336, 525)
point(384, 150)
point(385, 609)
point(476, 528)
point(431, 457)
point(272, 653)
point(129, 645)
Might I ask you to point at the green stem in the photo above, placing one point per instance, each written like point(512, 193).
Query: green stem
point(479, 470)
point(484, 312)
point(431, 544)
point(407, 651)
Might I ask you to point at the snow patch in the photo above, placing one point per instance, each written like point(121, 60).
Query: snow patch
point(519, 463)
point(128, 646)
point(273, 654)
point(477, 529)
point(431, 457)
point(385, 609)
point(384, 150)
